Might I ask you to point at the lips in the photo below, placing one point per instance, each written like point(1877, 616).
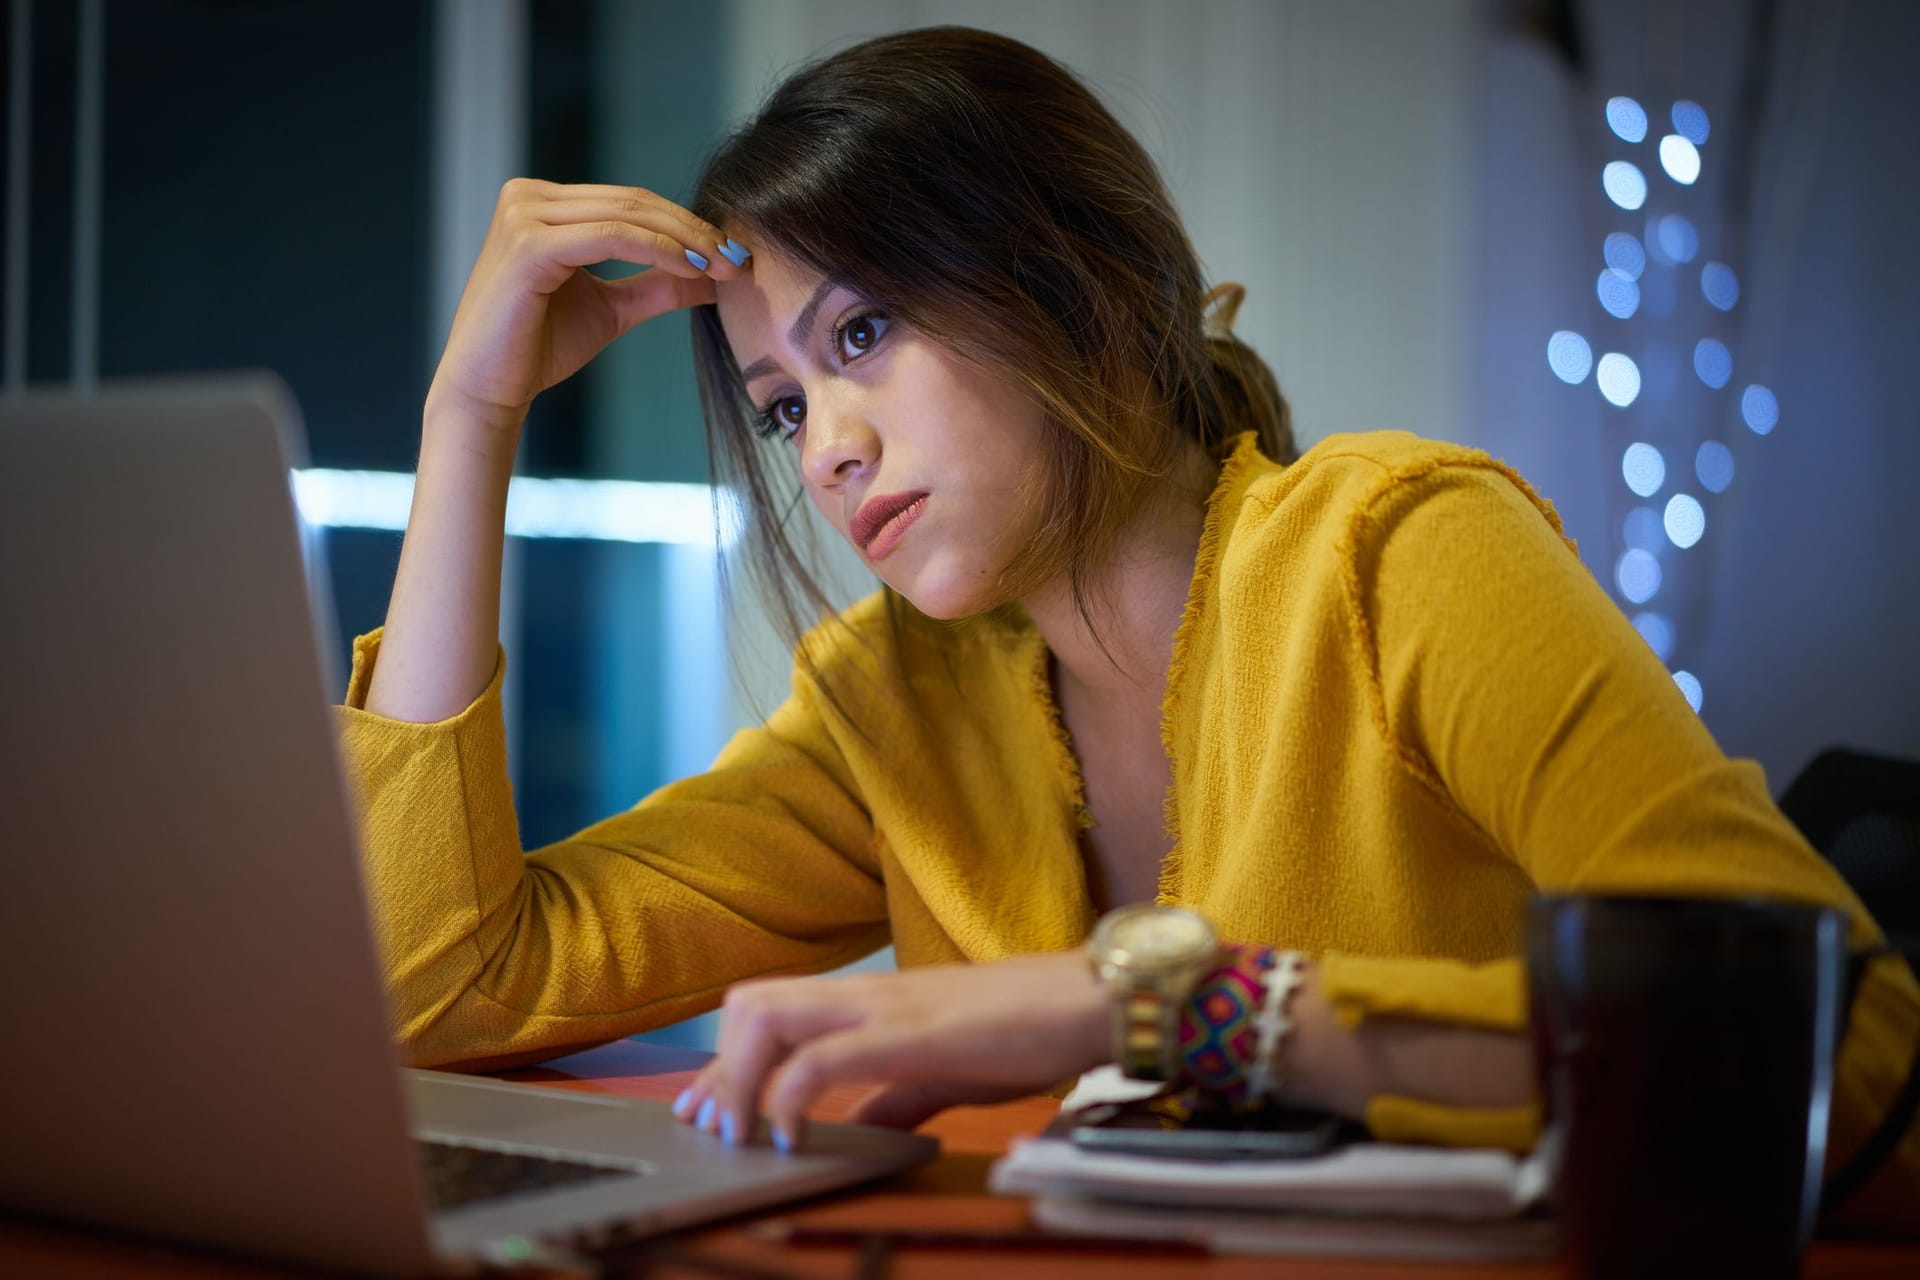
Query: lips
point(870, 522)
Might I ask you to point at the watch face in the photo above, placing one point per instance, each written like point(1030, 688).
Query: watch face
point(1152, 936)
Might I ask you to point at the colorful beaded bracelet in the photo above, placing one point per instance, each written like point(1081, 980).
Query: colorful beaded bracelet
point(1232, 1027)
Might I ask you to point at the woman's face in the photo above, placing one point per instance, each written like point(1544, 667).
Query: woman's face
point(925, 463)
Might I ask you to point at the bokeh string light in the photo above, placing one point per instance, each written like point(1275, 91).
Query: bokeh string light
point(1643, 468)
point(1653, 278)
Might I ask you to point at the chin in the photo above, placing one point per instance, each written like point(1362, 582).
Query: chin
point(944, 597)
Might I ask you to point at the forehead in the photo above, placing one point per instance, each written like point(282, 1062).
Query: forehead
point(758, 307)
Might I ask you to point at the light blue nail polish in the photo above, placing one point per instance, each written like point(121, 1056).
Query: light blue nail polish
point(696, 260)
point(735, 252)
point(705, 1117)
point(782, 1140)
point(729, 1129)
point(680, 1103)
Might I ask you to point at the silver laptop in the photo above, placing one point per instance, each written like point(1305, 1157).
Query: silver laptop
point(197, 1041)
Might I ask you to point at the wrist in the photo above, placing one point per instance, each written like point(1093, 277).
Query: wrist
point(1150, 957)
point(1326, 1068)
point(1090, 1013)
point(458, 456)
point(487, 430)
point(1237, 1028)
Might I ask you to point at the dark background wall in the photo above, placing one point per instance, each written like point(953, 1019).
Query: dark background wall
point(1799, 609)
point(265, 203)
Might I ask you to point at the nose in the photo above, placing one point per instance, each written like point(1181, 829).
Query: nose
point(839, 443)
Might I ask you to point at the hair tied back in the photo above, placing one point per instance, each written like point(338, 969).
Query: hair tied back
point(1221, 306)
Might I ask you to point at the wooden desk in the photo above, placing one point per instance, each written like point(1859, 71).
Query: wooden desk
point(950, 1193)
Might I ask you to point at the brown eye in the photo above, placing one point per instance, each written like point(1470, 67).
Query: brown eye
point(782, 418)
point(860, 335)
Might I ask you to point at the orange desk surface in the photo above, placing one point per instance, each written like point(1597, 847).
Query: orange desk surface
point(948, 1193)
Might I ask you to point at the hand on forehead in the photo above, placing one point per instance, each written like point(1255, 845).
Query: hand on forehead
point(770, 313)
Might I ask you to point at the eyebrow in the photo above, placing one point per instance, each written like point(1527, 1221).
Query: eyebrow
point(797, 335)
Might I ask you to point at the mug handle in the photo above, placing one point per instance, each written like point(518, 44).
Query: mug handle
point(1899, 1118)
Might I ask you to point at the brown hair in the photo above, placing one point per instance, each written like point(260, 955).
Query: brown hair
point(976, 189)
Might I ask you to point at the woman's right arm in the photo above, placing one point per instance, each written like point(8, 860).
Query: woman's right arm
point(761, 865)
point(439, 643)
point(530, 316)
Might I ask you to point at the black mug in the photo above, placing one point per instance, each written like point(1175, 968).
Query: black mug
point(1685, 1051)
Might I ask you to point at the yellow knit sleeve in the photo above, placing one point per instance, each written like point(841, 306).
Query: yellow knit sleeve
point(1512, 686)
point(1490, 996)
point(493, 958)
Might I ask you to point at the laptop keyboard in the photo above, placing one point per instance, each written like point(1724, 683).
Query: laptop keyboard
point(459, 1175)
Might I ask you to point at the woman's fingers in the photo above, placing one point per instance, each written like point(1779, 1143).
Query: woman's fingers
point(936, 1036)
point(761, 1024)
point(532, 315)
point(642, 209)
point(554, 204)
point(642, 296)
point(542, 189)
point(696, 1104)
point(868, 1052)
point(583, 244)
point(713, 1102)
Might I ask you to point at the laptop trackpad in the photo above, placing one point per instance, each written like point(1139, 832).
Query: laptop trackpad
point(452, 1104)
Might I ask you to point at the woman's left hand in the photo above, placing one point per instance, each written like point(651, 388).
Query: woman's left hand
point(933, 1037)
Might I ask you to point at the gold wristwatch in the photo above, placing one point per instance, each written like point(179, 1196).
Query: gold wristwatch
point(1151, 958)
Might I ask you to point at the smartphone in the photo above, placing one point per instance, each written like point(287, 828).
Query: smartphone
point(1292, 1136)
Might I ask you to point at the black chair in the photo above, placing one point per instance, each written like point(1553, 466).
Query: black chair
point(1862, 812)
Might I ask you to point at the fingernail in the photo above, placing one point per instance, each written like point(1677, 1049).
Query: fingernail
point(680, 1103)
point(696, 260)
point(705, 1118)
point(782, 1140)
point(729, 1130)
point(735, 252)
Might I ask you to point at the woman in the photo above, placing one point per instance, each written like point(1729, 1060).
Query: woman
point(1356, 704)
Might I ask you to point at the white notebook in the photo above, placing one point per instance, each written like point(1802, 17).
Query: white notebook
point(1363, 1199)
point(1313, 1234)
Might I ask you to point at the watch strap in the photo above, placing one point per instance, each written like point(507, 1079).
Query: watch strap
point(1146, 1034)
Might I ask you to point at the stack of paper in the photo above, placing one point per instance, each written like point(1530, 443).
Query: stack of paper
point(1364, 1199)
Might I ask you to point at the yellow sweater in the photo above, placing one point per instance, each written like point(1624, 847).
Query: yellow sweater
point(1398, 704)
